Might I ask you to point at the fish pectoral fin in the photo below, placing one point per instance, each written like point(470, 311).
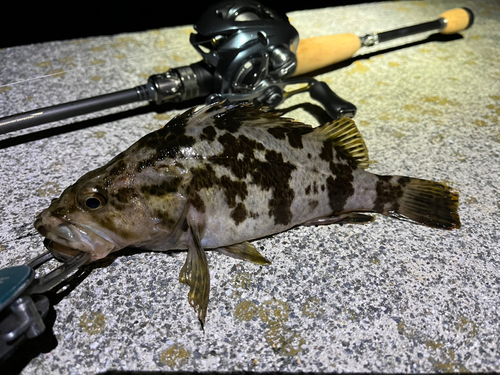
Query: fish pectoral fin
point(350, 218)
point(244, 251)
point(195, 273)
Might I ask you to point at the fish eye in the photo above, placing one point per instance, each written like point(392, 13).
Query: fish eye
point(93, 203)
point(92, 198)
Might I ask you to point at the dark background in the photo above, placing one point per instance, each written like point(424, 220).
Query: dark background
point(26, 22)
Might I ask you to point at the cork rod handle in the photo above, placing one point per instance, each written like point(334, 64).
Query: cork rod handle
point(320, 52)
point(456, 20)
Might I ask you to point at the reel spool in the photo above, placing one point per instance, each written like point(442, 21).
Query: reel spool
point(245, 43)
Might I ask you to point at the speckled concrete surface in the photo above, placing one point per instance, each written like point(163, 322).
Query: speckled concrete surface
point(384, 297)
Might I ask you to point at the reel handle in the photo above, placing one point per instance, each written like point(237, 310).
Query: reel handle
point(317, 53)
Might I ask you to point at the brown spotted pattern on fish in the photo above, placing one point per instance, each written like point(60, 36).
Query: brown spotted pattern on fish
point(219, 176)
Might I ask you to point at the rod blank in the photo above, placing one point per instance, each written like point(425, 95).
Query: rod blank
point(72, 109)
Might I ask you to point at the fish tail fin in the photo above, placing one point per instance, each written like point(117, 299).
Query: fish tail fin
point(419, 201)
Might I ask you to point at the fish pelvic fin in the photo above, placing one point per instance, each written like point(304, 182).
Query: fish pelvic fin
point(419, 201)
point(244, 251)
point(343, 136)
point(195, 273)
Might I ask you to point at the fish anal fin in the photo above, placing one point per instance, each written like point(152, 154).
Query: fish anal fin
point(195, 273)
point(355, 218)
point(350, 218)
point(343, 135)
point(244, 251)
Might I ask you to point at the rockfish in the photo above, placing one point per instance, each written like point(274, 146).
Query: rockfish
point(218, 176)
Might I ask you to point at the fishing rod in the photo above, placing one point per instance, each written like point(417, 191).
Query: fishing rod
point(250, 53)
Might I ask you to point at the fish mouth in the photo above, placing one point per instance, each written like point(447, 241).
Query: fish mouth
point(66, 240)
point(61, 252)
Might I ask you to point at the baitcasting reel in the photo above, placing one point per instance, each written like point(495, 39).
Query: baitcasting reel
point(250, 54)
point(253, 51)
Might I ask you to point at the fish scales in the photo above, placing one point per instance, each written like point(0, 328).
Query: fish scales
point(219, 176)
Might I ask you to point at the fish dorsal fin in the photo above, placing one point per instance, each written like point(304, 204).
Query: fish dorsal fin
point(344, 135)
point(231, 116)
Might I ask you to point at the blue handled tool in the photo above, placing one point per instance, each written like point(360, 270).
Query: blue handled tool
point(22, 303)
